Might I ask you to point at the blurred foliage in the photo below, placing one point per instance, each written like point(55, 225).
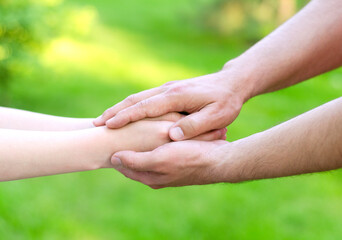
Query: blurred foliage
point(26, 27)
point(23, 29)
point(249, 20)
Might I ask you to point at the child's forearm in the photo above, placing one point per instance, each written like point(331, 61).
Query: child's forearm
point(25, 154)
point(25, 120)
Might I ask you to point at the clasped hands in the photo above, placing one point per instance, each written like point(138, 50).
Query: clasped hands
point(188, 152)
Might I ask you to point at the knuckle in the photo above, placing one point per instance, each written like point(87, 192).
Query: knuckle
point(132, 99)
point(131, 114)
point(172, 103)
point(143, 103)
point(176, 89)
point(237, 107)
point(122, 115)
point(140, 108)
point(107, 112)
point(169, 83)
point(221, 115)
point(190, 126)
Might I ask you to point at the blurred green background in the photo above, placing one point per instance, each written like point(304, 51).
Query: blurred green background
point(76, 58)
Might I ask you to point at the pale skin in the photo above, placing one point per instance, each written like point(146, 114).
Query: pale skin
point(11, 118)
point(36, 145)
point(307, 45)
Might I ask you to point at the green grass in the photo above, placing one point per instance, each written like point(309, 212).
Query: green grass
point(134, 45)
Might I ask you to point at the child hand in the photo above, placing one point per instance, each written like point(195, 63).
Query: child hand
point(150, 133)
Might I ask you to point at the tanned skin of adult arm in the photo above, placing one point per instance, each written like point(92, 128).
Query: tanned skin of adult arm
point(306, 45)
point(311, 142)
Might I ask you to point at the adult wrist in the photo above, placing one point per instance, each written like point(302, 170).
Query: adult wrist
point(223, 164)
point(233, 162)
point(243, 76)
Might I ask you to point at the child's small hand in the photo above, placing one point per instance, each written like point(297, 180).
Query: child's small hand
point(150, 133)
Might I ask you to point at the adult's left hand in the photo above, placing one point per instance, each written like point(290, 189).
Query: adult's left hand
point(174, 164)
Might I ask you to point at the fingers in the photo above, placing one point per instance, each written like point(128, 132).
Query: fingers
point(152, 107)
point(219, 134)
point(195, 124)
point(136, 176)
point(171, 117)
point(129, 101)
point(147, 178)
point(138, 167)
point(136, 161)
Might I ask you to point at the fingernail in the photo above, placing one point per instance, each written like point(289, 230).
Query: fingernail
point(116, 162)
point(224, 137)
point(176, 133)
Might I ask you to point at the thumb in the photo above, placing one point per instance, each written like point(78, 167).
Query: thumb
point(137, 161)
point(195, 124)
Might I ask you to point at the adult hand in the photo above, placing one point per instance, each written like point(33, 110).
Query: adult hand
point(174, 164)
point(213, 101)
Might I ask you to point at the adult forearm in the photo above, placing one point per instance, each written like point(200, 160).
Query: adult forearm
point(308, 143)
point(24, 120)
point(305, 46)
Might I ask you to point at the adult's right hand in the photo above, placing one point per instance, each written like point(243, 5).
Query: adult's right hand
point(212, 101)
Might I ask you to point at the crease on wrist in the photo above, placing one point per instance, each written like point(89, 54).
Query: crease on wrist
point(242, 78)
